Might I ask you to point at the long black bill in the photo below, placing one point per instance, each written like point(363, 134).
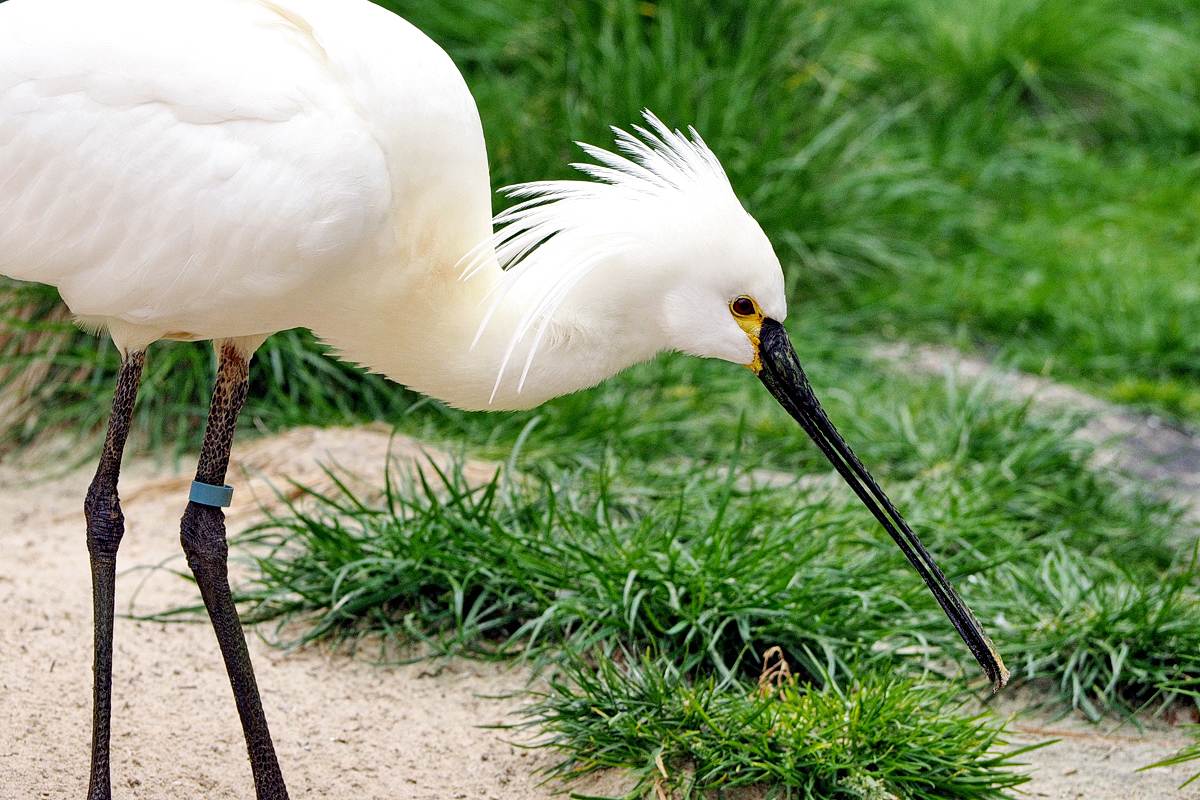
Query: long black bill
point(781, 373)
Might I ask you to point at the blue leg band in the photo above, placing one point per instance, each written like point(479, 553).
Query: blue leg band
point(209, 495)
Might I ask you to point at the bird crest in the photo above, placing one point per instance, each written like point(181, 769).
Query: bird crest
point(592, 221)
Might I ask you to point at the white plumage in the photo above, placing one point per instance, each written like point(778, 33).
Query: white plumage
point(178, 167)
point(231, 168)
point(661, 204)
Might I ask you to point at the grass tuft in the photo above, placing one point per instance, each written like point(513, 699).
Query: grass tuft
point(1107, 639)
point(879, 737)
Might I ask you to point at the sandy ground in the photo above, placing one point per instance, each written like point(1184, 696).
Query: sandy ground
point(343, 728)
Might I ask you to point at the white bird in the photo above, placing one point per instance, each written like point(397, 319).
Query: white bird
point(225, 169)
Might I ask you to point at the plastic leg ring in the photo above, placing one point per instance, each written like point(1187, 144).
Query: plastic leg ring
point(208, 495)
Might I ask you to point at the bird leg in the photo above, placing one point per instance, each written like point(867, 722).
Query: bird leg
point(202, 534)
point(105, 527)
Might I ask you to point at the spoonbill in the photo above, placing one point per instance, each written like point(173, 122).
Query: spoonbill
point(222, 170)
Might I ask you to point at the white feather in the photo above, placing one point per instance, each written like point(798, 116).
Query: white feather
point(602, 219)
point(235, 167)
point(172, 165)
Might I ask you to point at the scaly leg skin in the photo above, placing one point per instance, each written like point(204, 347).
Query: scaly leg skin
point(203, 536)
point(105, 527)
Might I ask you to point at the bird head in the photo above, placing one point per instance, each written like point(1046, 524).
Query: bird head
point(660, 237)
point(721, 280)
point(658, 240)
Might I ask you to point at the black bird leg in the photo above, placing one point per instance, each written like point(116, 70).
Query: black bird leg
point(105, 527)
point(202, 534)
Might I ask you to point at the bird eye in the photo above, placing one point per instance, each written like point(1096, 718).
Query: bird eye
point(743, 306)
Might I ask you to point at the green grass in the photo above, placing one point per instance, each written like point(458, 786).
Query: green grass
point(702, 567)
point(867, 740)
point(623, 548)
point(1088, 273)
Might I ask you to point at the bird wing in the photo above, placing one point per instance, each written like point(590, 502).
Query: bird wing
point(179, 165)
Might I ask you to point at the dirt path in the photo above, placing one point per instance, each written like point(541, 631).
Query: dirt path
point(343, 728)
point(1134, 443)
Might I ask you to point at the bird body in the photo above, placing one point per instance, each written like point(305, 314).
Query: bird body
point(232, 168)
point(224, 169)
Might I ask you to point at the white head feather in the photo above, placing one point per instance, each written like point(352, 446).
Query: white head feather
point(666, 195)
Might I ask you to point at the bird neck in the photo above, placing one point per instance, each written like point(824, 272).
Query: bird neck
point(450, 338)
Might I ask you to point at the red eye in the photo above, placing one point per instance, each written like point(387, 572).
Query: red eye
point(743, 307)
